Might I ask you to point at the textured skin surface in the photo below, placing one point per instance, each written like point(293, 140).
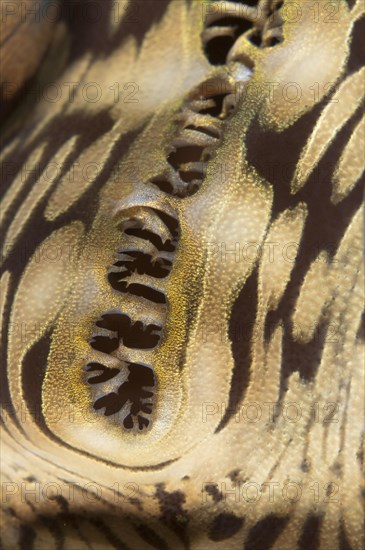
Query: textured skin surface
point(182, 289)
point(26, 31)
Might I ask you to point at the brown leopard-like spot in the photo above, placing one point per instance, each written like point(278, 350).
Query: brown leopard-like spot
point(224, 526)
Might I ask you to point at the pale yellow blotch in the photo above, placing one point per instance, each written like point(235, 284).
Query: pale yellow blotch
point(271, 381)
point(311, 302)
point(279, 258)
point(83, 172)
point(343, 104)
point(40, 188)
point(41, 294)
point(44, 283)
point(4, 286)
point(358, 10)
point(23, 44)
point(121, 10)
point(69, 85)
point(351, 164)
point(30, 164)
point(172, 74)
point(182, 64)
point(111, 84)
point(8, 150)
point(277, 262)
point(303, 71)
point(27, 120)
point(130, 85)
